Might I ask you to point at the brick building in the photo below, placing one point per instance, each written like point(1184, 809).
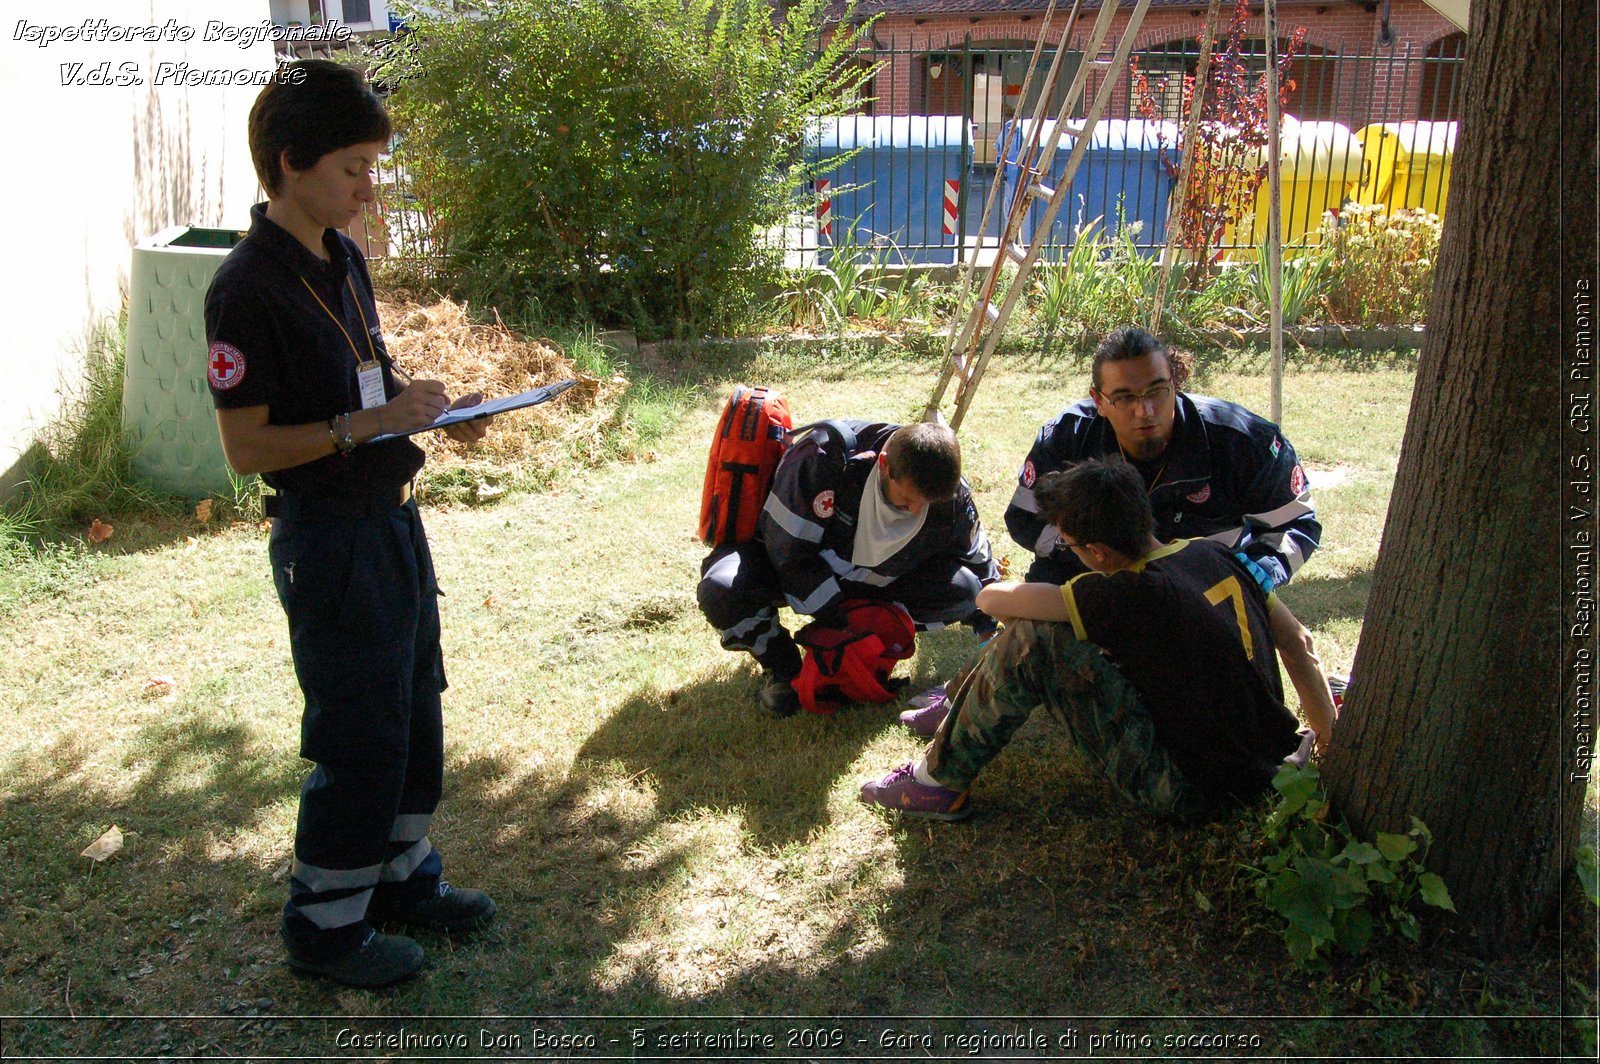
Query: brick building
point(1362, 60)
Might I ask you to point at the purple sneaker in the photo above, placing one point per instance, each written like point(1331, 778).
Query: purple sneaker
point(901, 792)
point(925, 722)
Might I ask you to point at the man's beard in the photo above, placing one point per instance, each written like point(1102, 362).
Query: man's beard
point(1148, 448)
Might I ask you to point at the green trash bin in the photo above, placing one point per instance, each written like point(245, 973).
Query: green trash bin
point(167, 416)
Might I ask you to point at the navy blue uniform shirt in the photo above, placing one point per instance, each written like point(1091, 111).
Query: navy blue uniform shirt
point(809, 522)
point(283, 330)
point(1227, 475)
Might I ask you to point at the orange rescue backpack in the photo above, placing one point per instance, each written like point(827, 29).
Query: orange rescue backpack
point(751, 436)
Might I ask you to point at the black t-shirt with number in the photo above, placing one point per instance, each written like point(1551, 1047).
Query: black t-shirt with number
point(285, 329)
point(1187, 626)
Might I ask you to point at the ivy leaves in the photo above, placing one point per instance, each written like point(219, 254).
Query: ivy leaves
point(1335, 891)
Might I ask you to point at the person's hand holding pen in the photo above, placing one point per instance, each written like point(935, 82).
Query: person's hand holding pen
point(467, 432)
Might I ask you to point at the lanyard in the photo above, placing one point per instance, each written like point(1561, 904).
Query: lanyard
point(366, 330)
point(1151, 490)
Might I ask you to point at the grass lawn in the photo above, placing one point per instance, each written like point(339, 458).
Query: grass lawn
point(665, 859)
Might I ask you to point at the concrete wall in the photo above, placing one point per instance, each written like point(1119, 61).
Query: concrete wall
point(285, 12)
point(91, 169)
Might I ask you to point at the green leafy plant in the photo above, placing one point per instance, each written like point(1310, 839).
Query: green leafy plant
point(1380, 265)
point(78, 466)
point(18, 523)
point(1103, 282)
point(859, 284)
point(1334, 890)
point(1306, 276)
point(244, 496)
point(615, 162)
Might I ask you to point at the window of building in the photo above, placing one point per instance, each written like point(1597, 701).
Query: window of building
point(1443, 84)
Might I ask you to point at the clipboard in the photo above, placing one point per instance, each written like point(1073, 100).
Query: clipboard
point(487, 408)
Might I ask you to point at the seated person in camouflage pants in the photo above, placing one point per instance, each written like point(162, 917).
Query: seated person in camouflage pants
point(1159, 662)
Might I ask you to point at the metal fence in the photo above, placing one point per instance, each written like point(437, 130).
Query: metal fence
point(1374, 126)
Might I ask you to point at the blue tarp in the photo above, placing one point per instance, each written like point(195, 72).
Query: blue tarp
point(900, 172)
point(1124, 159)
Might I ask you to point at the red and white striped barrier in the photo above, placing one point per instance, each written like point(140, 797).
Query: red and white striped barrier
point(824, 209)
point(952, 197)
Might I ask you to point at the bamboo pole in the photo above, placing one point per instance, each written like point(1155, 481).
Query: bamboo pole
point(1173, 246)
point(1274, 262)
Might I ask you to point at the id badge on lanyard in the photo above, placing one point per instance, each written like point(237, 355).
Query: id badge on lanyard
point(369, 371)
point(370, 374)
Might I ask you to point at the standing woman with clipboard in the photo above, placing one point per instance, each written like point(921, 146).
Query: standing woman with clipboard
point(301, 380)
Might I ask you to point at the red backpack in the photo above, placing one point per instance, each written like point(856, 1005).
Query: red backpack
point(853, 663)
point(751, 437)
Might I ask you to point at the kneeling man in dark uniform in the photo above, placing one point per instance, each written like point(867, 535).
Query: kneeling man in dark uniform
point(856, 511)
point(1160, 662)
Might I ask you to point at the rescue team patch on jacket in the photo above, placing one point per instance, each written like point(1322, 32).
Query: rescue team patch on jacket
point(1297, 481)
point(822, 505)
point(1028, 474)
point(1200, 496)
point(224, 365)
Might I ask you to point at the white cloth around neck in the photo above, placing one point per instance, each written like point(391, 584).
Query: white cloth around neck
point(881, 530)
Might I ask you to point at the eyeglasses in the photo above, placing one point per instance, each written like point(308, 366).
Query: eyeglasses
point(1128, 400)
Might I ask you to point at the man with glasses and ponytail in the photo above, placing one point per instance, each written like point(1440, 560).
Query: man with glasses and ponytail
point(1211, 470)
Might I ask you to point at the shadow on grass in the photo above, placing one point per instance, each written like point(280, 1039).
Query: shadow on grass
point(708, 746)
point(1054, 899)
point(1320, 600)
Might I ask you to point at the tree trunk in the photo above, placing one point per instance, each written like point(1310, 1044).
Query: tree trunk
point(1469, 707)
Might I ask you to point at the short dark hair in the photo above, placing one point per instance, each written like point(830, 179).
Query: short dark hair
point(1130, 341)
point(1098, 502)
point(929, 455)
point(312, 107)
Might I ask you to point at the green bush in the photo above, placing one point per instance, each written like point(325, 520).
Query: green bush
point(1305, 281)
point(1380, 265)
point(858, 285)
point(614, 161)
point(1103, 282)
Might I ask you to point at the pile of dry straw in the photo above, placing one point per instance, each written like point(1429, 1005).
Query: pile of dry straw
point(439, 341)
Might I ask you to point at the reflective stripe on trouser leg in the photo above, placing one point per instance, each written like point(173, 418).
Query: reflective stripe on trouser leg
point(363, 622)
point(332, 897)
point(1034, 663)
point(739, 595)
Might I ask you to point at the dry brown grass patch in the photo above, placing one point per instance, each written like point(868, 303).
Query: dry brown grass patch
point(439, 340)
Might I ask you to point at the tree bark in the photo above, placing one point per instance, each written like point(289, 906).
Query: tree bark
point(1463, 710)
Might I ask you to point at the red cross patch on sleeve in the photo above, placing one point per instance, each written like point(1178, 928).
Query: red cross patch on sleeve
point(224, 365)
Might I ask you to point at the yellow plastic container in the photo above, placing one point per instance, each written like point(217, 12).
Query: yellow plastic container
point(1318, 162)
point(1406, 165)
